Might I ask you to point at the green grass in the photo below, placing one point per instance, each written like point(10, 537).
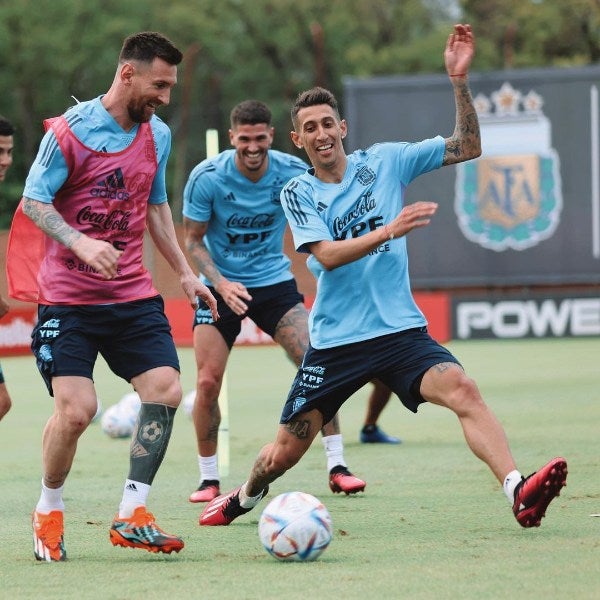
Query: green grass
point(433, 522)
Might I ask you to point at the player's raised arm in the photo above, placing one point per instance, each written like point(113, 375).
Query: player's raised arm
point(465, 142)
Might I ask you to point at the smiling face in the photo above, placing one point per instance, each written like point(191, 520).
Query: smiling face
point(251, 143)
point(6, 156)
point(150, 87)
point(320, 131)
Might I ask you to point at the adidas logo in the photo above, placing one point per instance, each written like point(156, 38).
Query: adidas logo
point(112, 187)
point(321, 207)
point(114, 180)
point(131, 487)
point(229, 197)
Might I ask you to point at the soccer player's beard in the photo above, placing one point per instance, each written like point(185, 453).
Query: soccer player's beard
point(258, 166)
point(137, 113)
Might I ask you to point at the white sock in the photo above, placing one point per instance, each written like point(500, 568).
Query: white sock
point(248, 501)
point(208, 467)
point(334, 450)
point(134, 494)
point(510, 483)
point(50, 499)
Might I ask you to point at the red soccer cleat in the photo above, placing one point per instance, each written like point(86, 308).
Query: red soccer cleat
point(534, 493)
point(224, 509)
point(341, 480)
point(208, 491)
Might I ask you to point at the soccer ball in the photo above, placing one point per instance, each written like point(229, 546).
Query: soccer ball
point(295, 526)
point(118, 421)
point(132, 401)
point(188, 403)
point(130, 405)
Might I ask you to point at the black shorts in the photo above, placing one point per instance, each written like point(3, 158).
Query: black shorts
point(133, 337)
point(327, 378)
point(269, 303)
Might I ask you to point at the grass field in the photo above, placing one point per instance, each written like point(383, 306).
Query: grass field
point(432, 523)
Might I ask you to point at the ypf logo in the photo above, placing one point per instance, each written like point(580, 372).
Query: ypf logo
point(511, 197)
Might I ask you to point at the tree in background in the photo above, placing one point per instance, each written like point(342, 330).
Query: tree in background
point(534, 33)
point(54, 50)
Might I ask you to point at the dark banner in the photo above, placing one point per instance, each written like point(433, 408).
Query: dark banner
point(527, 212)
point(512, 316)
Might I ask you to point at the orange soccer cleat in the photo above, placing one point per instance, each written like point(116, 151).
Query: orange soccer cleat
point(140, 531)
point(48, 536)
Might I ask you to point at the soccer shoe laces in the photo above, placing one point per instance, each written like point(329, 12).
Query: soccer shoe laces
point(144, 523)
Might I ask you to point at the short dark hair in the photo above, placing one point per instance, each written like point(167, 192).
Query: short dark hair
point(148, 45)
point(250, 112)
point(313, 97)
point(6, 127)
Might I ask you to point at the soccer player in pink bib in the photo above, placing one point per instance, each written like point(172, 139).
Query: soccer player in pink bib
point(97, 183)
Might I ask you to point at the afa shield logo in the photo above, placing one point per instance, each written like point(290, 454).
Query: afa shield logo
point(511, 197)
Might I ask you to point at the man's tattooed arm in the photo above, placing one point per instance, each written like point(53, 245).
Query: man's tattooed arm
point(194, 242)
point(465, 142)
point(49, 220)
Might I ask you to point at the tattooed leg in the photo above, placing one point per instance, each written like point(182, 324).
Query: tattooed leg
point(447, 385)
point(291, 333)
point(293, 440)
point(150, 440)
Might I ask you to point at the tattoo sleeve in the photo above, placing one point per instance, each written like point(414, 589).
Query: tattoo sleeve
point(201, 256)
point(50, 221)
point(465, 142)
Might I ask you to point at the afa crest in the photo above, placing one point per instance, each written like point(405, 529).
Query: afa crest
point(511, 197)
point(299, 402)
point(365, 175)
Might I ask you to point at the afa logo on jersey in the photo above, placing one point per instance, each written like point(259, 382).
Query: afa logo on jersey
point(511, 197)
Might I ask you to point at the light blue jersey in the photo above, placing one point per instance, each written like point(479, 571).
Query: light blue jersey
point(369, 297)
point(95, 128)
point(245, 220)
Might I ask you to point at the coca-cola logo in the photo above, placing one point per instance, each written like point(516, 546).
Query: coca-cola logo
point(251, 221)
point(366, 203)
point(115, 220)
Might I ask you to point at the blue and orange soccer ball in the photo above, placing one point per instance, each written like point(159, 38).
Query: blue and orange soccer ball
point(295, 526)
